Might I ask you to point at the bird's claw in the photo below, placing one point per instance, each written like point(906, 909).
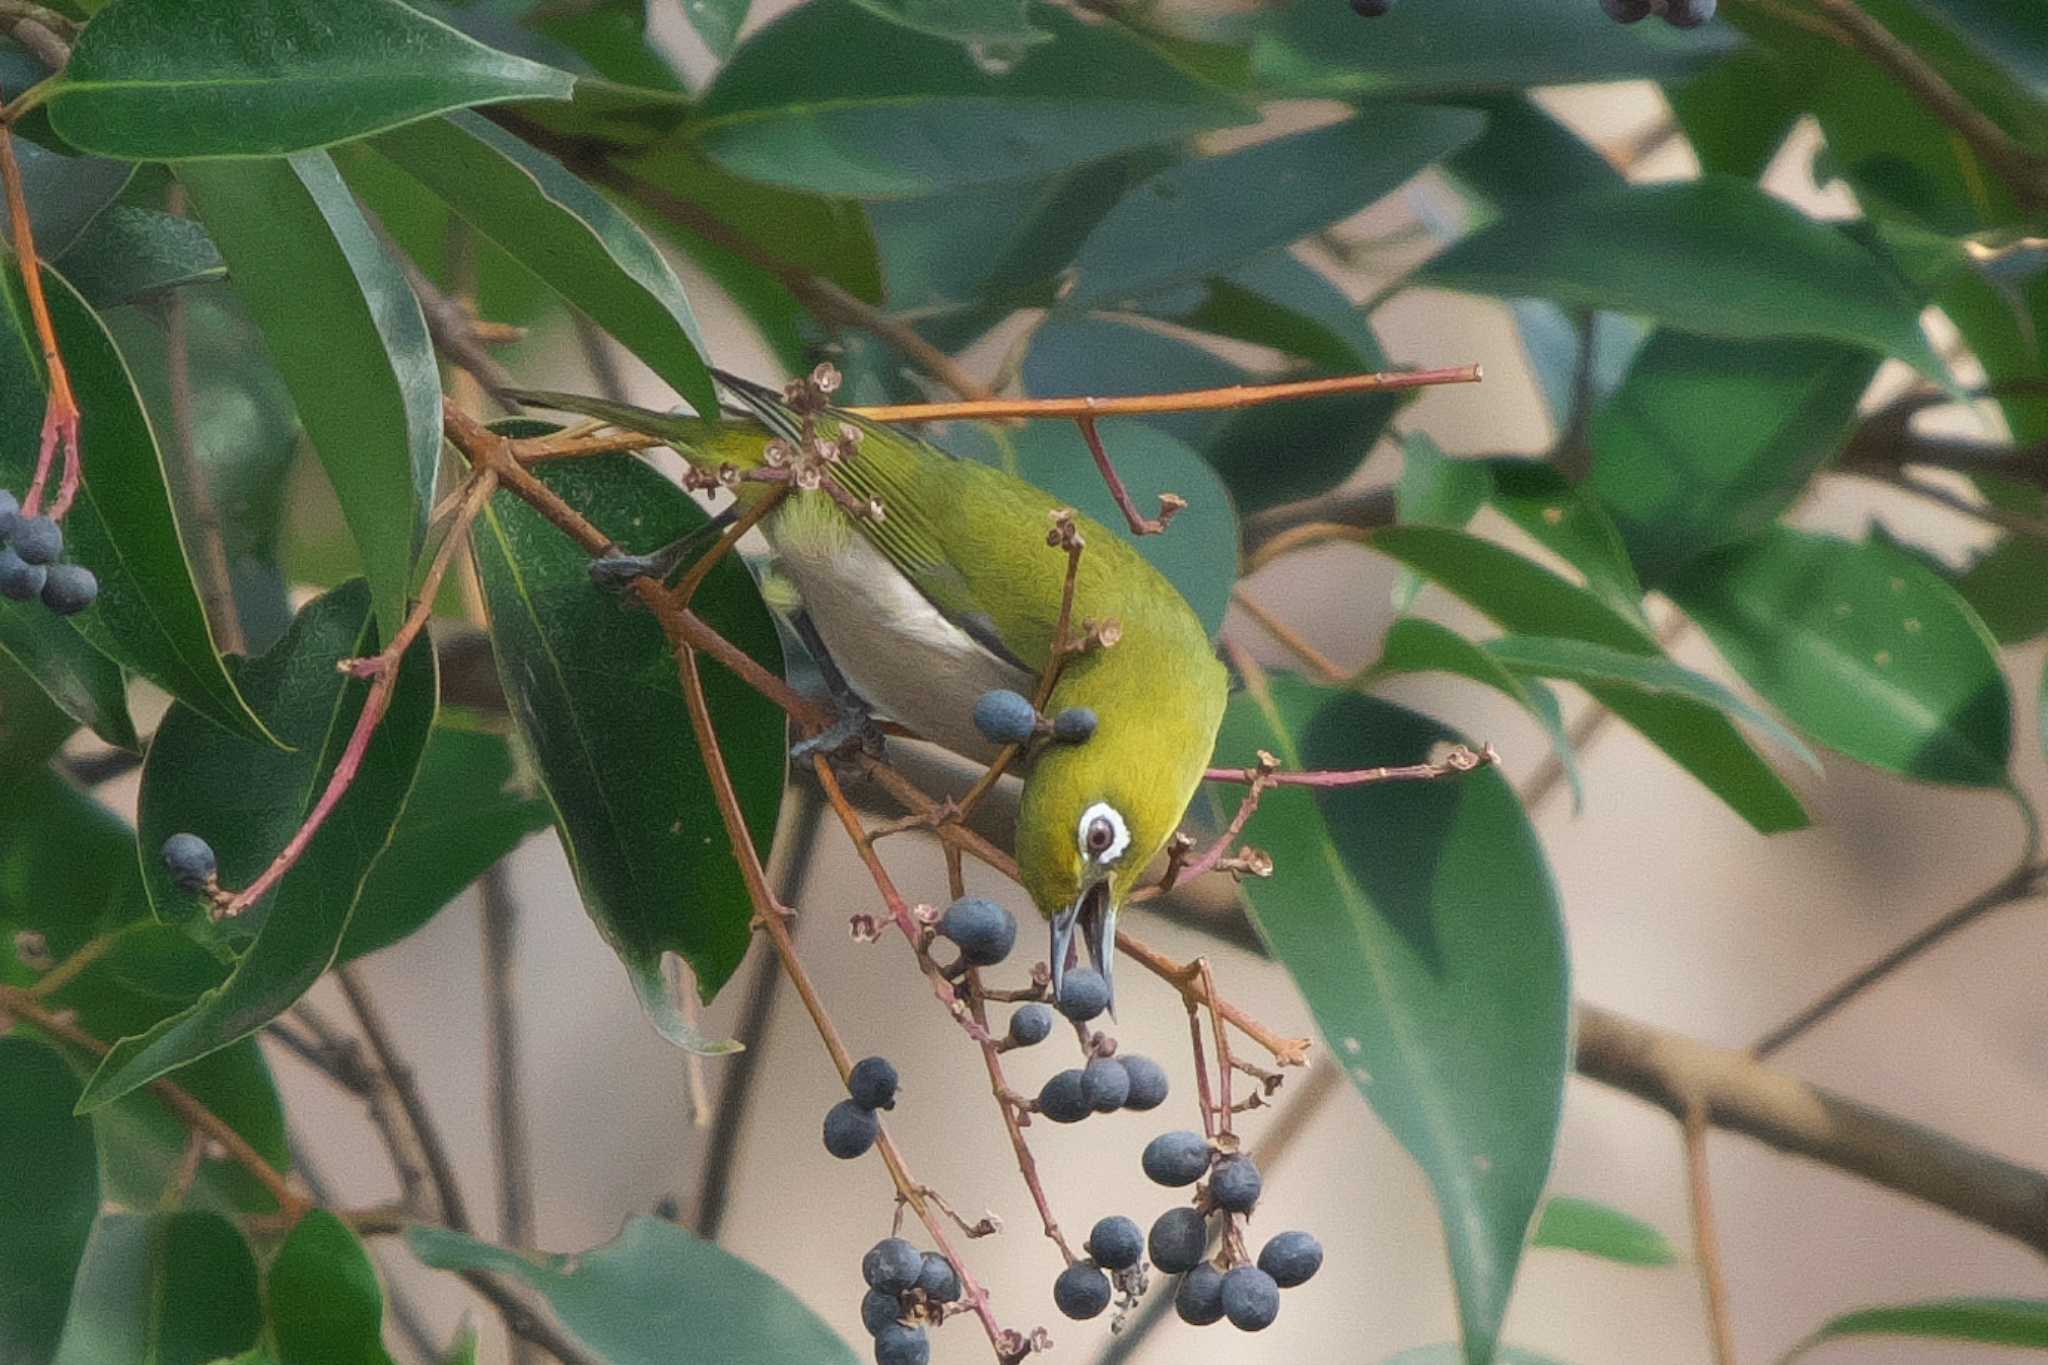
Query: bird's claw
point(855, 731)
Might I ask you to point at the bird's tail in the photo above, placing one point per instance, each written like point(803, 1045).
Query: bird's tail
point(706, 442)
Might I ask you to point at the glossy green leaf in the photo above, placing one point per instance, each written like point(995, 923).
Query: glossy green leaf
point(2003, 587)
point(566, 233)
point(1220, 210)
point(129, 252)
point(915, 114)
point(1462, 47)
point(247, 801)
point(326, 1307)
point(1707, 441)
point(348, 338)
point(49, 1192)
point(1571, 524)
point(1003, 25)
point(594, 689)
point(179, 1289)
point(64, 194)
point(123, 525)
point(1421, 924)
point(468, 809)
point(1863, 648)
point(1990, 1322)
point(67, 863)
point(32, 727)
point(1414, 644)
point(1717, 256)
point(160, 80)
point(1528, 599)
point(1573, 1224)
point(84, 683)
point(631, 1300)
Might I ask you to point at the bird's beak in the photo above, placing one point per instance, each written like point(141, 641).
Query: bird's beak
point(1094, 914)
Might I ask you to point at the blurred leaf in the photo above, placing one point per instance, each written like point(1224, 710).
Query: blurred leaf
point(248, 800)
point(49, 1192)
point(611, 35)
point(32, 727)
point(123, 526)
point(1421, 923)
point(1861, 647)
point(1552, 340)
point(1218, 211)
point(64, 194)
point(1525, 153)
point(1708, 441)
point(1573, 1224)
point(465, 813)
point(347, 336)
point(1000, 24)
point(594, 689)
point(84, 683)
point(67, 863)
point(2003, 587)
point(717, 22)
point(1462, 47)
point(915, 115)
point(1275, 300)
point(130, 251)
point(1106, 358)
point(325, 1304)
point(1449, 1353)
point(631, 1300)
point(566, 233)
point(174, 1288)
point(1528, 599)
point(2007, 31)
point(1993, 1322)
point(1716, 255)
point(153, 80)
point(462, 1350)
point(2006, 329)
point(1415, 644)
point(1738, 112)
point(1571, 524)
point(1435, 490)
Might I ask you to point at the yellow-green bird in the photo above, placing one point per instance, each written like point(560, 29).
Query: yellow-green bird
point(952, 593)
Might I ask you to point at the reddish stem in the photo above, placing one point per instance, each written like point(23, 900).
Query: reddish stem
point(1170, 504)
point(60, 415)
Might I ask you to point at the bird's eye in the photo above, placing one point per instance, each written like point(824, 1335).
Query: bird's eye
point(1103, 834)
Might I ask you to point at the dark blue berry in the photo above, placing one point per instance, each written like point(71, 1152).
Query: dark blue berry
point(1106, 1084)
point(1626, 11)
point(10, 512)
point(872, 1083)
point(1176, 1158)
point(1365, 9)
point(892, 1265)
point(1688, 13)
point(1075, 725)
point(1064, 1098)
point(1005, 717)
point(69, 588)
point(939, 1281)
point(1083, 994)
point(1031, 1024)
point(1291, 1258)
point(1148, 1082)
point(20, 579)
point(1235, 1184)
point(1116, 1243)
point(38, 540)
point(1199, 1300)
point(190, 861)
point(1179, 1237)
point(900, 1345)
point(879, 1311)
point(1250, 1298)
point(984, 931)
point(1081, 1291)
point(849, 1130)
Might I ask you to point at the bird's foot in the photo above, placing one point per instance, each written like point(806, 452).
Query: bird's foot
point(617, 572)
point(854, 732)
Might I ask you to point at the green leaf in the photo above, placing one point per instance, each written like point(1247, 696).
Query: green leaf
point(123, 526)
point(916, 115)
point(2003, 587)
point(167, 1287)
point(566, 233)
point(1416, 645)
point(1574, 1224)
point(631, 1300)
point(32, 727)
point(468, 810)
point(1435, 490)
point(129, 252)
point(348, 338)
point(1569, 523)
point(247, 801)
point(64, 194)
point(84, 683)
point(1991, 1322)
point(1863, 648)
point(1462, 47)
point(1274, 300)
point(161, 80)
point(1527, 154)
point(67, 863)
point(1528, 599)
point(49, 1192)
point(1708, 441)
point(1004, 25)
point(594, 689)
point(1717, 256)
point(325, 1304)
point(1218, 211)
point(2008, 31)
point(1421, 923)
point(1449, 1353)
point(1738, 112)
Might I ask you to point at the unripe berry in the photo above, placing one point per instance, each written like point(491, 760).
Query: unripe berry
point(1030, 1025)
point(1235, 1184)
point(1106, 1084)
point(984, 931)
point(939, 1281)
point(19, 579)
point(1083, 994)
point(1250, 1298)
point(1199, 1300)
point(190, 861)
point(879, 1311)
point(1176, 1158)
point(1148, 1082)
point(872, 1083)
point(69, 588)
point(897, 1344)
point(1005, 717)
point(1075, 725)
point(1291, 1258)
point(892, 1265)
point(1081, 1291)
point(850, 1130)
point(38, 540)
point(1178, 1239)
point(1064, 1098)
point(1116, 1243)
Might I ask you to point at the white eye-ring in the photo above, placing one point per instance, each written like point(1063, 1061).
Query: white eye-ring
point(1103, 835)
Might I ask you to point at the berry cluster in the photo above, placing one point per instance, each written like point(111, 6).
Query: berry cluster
point(1006, 717)
point(850, 1125)
point(1103, 1086)
point(1677, 13)
point(906, 1289)
point(31, 562)
point(1248, 1295)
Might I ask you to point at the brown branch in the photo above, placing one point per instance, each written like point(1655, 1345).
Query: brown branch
point(1170, 504)
point(1296, 644)
point(405, 1087)
point(1705, 1242)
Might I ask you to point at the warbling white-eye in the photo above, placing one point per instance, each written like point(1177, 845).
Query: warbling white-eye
point(952, 592)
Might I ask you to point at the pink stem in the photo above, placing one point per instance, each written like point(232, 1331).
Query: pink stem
point(1170, 504)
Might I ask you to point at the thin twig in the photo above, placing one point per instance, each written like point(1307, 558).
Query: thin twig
point(405, 1086)
point(1192, 400)
point(60, 412)
point(1170, 504)
point(499, 914)
point(1296, 643)
point(1706, 1244)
